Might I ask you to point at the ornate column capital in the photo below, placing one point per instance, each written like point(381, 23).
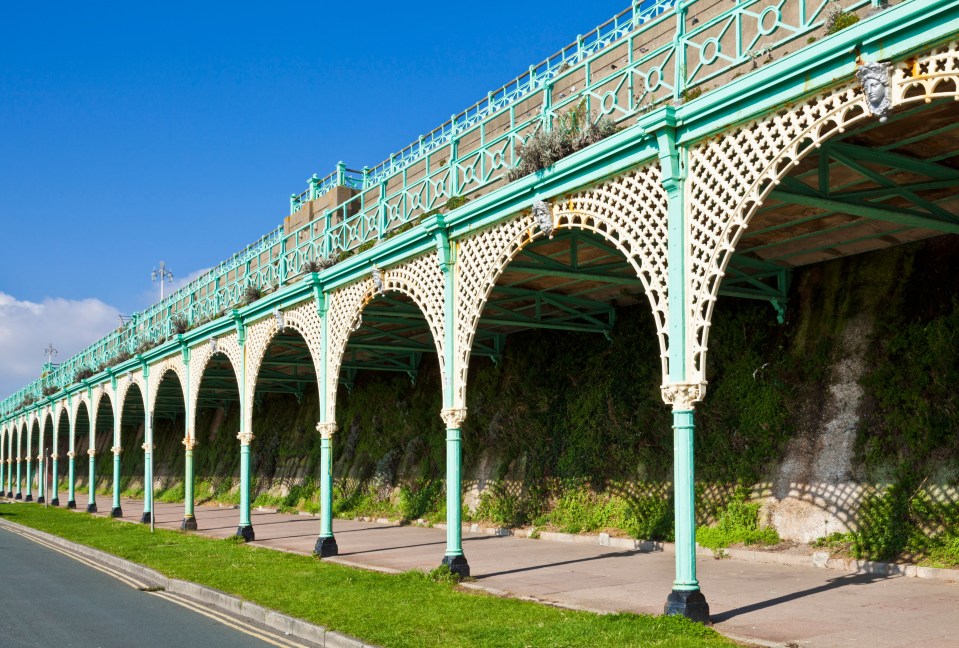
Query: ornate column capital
point(91, 452)
point(683, 396)
point(71, 454)
point(454, 416)
point(327, 429)
point(54, 456)
point(189, 443)
point(39, 457)
point(116, 450)
point(245, 438)
point(147, 447)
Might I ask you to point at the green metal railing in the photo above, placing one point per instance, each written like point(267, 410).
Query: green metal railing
point(654, 52)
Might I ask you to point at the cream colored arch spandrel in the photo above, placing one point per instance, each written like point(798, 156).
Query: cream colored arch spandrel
point(731, 175)
point(159, 370)
point(304, 319)
point(421, 279)
point(628, 211)
point(200, 356)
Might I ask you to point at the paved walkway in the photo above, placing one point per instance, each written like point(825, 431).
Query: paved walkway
point(773, 604)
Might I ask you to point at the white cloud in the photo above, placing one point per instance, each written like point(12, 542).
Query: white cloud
point(26, 328)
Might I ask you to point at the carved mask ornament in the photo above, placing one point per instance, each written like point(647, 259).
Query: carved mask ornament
point(874, 79)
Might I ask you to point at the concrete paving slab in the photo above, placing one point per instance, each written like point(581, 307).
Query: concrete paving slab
point(777, 604)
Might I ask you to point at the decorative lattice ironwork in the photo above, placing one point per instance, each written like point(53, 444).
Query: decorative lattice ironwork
point(158, 372)
point(420, 279)
point(304, 319)
point(200, 356)
point(629, 211)
point(731, 175)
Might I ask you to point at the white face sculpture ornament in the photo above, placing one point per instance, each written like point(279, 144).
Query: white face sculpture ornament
point(874, 79)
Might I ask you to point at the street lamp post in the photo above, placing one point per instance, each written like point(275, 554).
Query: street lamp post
point(164, 274)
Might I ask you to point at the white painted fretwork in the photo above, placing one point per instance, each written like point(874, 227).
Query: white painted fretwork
point(628, 211)
point(731, 175)
point(420, 279)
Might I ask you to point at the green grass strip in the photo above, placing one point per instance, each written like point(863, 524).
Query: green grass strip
point(406, 609)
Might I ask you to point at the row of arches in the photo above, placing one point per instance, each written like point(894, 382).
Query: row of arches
point(558, 265)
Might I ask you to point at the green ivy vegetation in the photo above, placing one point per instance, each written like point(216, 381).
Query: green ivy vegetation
point(737, 523)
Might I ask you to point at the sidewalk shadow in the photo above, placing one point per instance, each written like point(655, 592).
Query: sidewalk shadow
point(846, 580)
point(615, 554)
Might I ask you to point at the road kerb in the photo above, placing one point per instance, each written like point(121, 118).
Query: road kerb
point(293, 627)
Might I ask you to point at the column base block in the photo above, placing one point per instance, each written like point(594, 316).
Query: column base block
point(9, 493)
point(28, 498)
point(18, 496)
point(457, 565)
point(40, 499)
point(326, 547)
point(55, 501)
point(246, 532)
point(688, 603)
point(72, 504)
point(91, 508)
point(116, 512)
point(145, 518)
point(188, 524)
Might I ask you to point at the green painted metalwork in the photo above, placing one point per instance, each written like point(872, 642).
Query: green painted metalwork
point(244, 484)
point(71, 463)
point(188, 482)
point(454, 496)
point(29, 494)
point(685, 500)
point(91, 484)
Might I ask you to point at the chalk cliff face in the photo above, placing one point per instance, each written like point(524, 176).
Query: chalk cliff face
point(853, 392)
point(813, 492)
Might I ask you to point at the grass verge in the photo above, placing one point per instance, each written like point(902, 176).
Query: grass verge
point(408, 609)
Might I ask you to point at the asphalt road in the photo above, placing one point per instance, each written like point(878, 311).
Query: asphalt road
point(49, 600)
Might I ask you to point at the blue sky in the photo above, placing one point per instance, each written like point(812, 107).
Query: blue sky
point(135, 132)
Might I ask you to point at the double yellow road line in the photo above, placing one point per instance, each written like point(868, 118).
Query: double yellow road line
point(270, 637)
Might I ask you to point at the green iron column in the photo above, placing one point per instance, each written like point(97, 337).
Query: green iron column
point(71, 480)
point(454, 411)
point(686, 598)
point(678, 389)
point(147, 474)
point(245, 436)
point(454, 557)
point(55, 478)
point(10, 465)
point(92, 483)
point(147, 516)
point(41, 474)
point(189, 519)
point(116, 511)
point(71, 467)
point(326, 542)
point(245, 530)
point(28, 497)
point(18, 494)
point(189, 444)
